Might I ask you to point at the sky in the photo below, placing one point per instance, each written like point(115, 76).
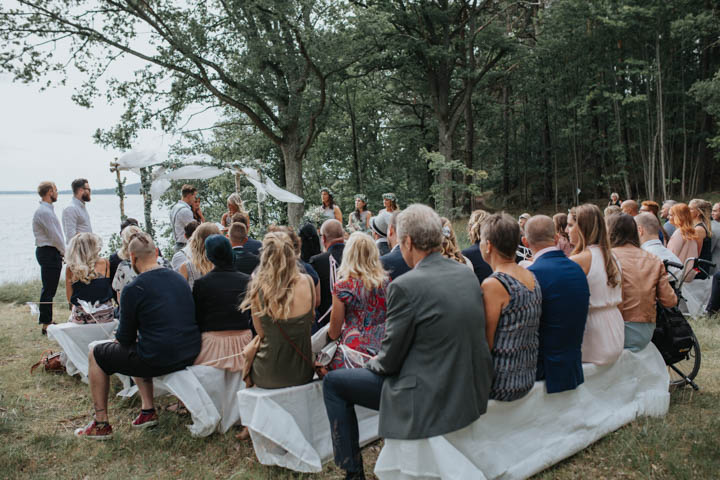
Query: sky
point(46, 136)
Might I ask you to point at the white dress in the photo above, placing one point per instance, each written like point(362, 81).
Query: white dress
point(605, 329)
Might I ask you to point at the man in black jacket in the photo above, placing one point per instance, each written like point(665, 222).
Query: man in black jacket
point(243, 261)
point(157, 335)
point(393, 262)
point(332, 237)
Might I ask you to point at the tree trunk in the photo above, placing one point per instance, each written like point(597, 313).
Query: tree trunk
point(146, 183)
point(506, 142)
point(293, 175)
point(547, 152)
point(353, 131)
point(444, 192)
point(469, 199)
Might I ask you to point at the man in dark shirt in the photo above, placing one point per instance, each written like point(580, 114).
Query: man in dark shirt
point(250, 244)
point(157, 335)
point(243, 261)
point(332, 236)
point(393, 262)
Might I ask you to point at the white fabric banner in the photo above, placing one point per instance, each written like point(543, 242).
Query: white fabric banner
point(136, 159)
point(515, 440)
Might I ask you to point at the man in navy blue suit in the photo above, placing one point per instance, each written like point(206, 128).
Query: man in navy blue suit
point(393, 261)
point(565, 300)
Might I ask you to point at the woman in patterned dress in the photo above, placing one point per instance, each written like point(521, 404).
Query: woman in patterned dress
point(513, 304)
point(357, 320)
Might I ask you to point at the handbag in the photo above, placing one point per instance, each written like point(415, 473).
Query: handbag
point(51, 362)
point(248, 356)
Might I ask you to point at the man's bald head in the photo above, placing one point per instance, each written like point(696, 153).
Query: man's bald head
point(648, 227)
point(331, 230)
point(540, 232)
point(630, 207)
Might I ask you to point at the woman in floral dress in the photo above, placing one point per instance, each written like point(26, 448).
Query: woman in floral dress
point(357, 321)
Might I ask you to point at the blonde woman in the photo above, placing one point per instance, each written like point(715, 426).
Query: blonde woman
point(125, 272)
point(234, 205)
point(198, 264)
point(701, 215)
point(605, 329)
point(282, 302)
point(357, 320)
point(450, 247)
point(480, 266)
point(87, 279)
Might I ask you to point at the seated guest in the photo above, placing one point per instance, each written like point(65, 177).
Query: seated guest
point(379, 228)
point(115, 258)
point(521, 222)
point(701, 214)
point(309, 242)
point(630, 207)
point(715, 238)
point(433, 372)
point(604, 330)
point(87, 278)
point(198, 264)
point(480, 267)
point(183, 255)
point(648, 206)
point(251, 245)
point(565, 298)
point(393, 262)
point(157, 335)
point(225, 329)
point(234, 205)
point(243, 261)
point(357, 320)
point(303, 266)
point(665, 218)
point(282, 301)
point(644, 283)
point(563, 240)
point(611, 210)
point(125, 273)
point(326, 265)
point(449, 248)
point(513, 304)
point(683, 241)
point(647, 226)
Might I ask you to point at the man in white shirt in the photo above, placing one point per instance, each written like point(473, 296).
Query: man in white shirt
point(75, 217)
point(50, 249)
point(181, 214)
point(648, 227)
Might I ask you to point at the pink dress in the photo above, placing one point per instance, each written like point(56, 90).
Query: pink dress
point(605, 329)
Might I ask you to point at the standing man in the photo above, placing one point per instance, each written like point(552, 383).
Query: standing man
point(49, 251)
point(326, 264)
point(181, 214)
point(75, 218)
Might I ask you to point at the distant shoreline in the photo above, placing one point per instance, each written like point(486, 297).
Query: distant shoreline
point(131, 189)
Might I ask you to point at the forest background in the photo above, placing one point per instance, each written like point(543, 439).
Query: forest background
point(457, 104)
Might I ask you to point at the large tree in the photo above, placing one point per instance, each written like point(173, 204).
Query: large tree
point(268, 61)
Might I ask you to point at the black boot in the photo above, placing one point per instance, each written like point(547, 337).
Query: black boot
point(359, 475)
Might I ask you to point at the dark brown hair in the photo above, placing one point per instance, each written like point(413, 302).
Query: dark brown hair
point(187, 189)
point(592, 231)
point(237, 232)
point(623, 230)
point(241, 217)
point(77, 184)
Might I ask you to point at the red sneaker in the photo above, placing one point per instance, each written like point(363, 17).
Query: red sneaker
point(94, 431)
point(145, 420)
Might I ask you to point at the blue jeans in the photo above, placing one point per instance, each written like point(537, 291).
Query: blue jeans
point(342, 390)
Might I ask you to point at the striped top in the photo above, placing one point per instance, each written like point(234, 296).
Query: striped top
point(515, 349)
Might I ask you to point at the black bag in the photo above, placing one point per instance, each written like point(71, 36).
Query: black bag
point(673, 335)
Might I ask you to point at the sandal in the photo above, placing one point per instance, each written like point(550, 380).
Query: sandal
point(244, 434)
point(178, 408)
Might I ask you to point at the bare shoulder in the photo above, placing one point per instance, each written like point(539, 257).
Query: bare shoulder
point(584, 259)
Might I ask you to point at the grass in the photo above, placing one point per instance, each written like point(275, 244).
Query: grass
point(39, 412)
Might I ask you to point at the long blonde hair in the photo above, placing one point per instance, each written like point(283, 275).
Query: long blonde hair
point(198, 258)
point(593, 231)
point(270, 291)
point(449, 248)
point(705, 209)
point(475, 223)
point(361, 260)
point(126, 235)
point(82, 255)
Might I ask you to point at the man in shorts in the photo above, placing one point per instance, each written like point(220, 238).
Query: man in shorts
point(157, 335)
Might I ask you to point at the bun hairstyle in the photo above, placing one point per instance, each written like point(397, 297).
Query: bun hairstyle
point(591, 229)
point(127, 235)
point(270, 290)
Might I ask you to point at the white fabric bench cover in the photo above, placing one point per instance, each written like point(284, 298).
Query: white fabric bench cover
point(515, 440)
point(74, 339)
point(289, 427)
point(697, 296)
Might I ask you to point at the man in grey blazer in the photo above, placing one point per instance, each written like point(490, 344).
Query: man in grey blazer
point(434, 371)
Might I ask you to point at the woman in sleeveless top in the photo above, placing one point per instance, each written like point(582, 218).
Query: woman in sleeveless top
point(329, 209)
point(513, 305)
point(357, 320)
point(359, 219)
point(198, 264)
point(701, 215)
point(234, 205)
point(605, 329)
point(87, 279)
point(282, 301)
point(684, 240)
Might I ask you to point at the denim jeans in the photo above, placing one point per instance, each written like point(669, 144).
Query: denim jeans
point(50, 268)
point(342, 390)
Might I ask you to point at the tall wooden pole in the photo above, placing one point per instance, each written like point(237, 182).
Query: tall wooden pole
point(120, 189)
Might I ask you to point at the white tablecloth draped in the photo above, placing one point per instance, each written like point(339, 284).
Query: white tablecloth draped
point(74, 339)
point(697, 295)
point(289, 427)
point(515, 440)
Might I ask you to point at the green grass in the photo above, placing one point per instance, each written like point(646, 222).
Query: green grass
point(21, 292)
point(39, 412)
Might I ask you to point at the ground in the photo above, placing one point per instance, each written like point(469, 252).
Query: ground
point(38, 413)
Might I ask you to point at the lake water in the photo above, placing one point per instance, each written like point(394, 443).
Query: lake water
point(17, 262)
